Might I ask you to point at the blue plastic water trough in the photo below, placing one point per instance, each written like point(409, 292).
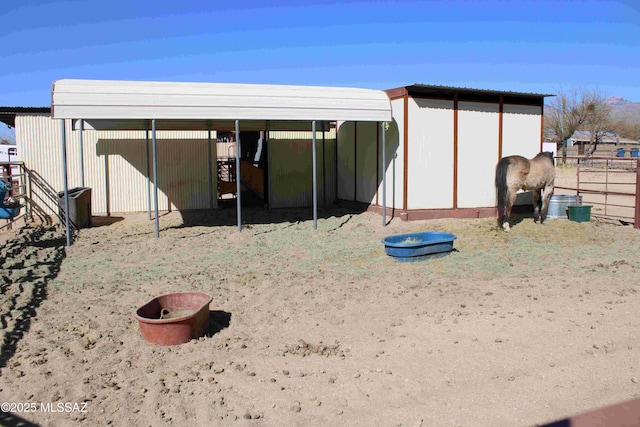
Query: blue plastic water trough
point(7, 211)
point(419, 246)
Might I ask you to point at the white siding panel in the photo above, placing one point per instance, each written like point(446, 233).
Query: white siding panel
point(521, 130)
point(478, 125)
point(430, 154)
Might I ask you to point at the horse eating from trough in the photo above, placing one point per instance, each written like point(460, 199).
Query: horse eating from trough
point(515, 173)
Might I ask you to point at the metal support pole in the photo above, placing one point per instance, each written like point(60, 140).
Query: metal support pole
point(65, 182)
point(81, 154)
point(210, 163)
point(384, 175)
point(238, 184)
point(315, 179)
point(155, 174)
point(146, 150)
point(324, 169)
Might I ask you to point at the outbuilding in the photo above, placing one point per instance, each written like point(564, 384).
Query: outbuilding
point(442, 145)
point(442, 149)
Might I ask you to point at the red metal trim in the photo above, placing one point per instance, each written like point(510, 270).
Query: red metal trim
point(397, 93)
point(427, 214)
point(608, 171)
point(405, 177)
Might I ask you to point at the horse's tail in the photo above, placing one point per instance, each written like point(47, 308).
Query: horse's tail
point(502, 190)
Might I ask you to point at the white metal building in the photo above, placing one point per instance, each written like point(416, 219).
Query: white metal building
point(442, 149)
point(442, 143)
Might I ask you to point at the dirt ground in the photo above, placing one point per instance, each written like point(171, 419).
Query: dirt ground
point(320, 327)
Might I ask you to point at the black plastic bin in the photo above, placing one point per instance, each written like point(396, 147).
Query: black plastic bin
point(79, 206)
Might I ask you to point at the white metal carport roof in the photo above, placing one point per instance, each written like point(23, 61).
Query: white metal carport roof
point(139, 105)
point(107, 104)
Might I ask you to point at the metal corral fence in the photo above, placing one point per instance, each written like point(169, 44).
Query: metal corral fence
point(33, 204)
point(610, 184)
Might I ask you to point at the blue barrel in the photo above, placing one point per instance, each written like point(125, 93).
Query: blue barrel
point(634, 152)
point(620, 152)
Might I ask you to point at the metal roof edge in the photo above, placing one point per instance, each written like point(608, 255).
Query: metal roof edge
point(417, 88)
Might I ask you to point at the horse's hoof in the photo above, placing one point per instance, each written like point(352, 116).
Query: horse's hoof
point(506, 227)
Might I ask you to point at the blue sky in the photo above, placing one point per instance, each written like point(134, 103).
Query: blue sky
point(529, 46)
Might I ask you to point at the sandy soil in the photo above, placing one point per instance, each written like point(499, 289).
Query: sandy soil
point(320, 327)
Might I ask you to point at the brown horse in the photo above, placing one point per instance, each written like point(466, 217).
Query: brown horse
point(515, 173)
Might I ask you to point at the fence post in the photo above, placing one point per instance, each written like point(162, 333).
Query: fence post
point(636, 217)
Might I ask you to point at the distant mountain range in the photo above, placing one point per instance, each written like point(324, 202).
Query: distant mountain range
point(621, 109)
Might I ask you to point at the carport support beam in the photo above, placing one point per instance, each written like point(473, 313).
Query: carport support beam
point(81, 154)
point(65, 182)
point(315, 180)
point(146, 157)
point(210, 165)
point(384, 174)
point(238, 183)
point(155, 174)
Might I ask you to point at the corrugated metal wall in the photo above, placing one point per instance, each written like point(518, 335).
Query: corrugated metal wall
point(393, 171)
point(117, 164)
point(346, 173)
point(394, 140)
point(359, 157)
point(291, 169)
point(368, 160)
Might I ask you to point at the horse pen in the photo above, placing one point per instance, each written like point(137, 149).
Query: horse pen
point(610, 184)
point(320, 327)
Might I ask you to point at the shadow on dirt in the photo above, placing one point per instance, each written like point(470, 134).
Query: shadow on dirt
point(261, 215)
point(29, 261)
point(9, 419)
point(218, 320)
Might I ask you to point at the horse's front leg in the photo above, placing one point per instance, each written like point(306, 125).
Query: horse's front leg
point(536, 205)
point(548, 192)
